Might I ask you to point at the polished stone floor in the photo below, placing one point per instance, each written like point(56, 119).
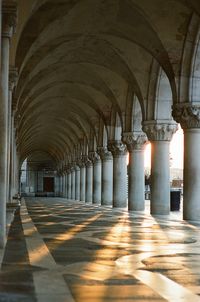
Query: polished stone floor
point(63, 251)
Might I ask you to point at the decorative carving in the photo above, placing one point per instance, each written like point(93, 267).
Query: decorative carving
point(77, 168)
point(134, 140)
point(88, 163)
point(117, 148)
point(65, 169)
point(188, 115)
point(68, 169)
point(104, 153)
point(13, 76)
point(82, 162)
point(159, 131)
point(94, 157)
point(73, 168)
point(9, 18)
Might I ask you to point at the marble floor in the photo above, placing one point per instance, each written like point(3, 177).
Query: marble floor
point(64, 251)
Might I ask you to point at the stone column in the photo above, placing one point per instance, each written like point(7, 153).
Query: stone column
point(119, 153)
point(12, 83)
point(73, 183)
point(77, 182)
point(9, 16)
point(82, 181)
point(188, 115)
point(64, 185)
point(135, 142)
point(89, 181)
point(69, 184)
point(160, 135)
point(60, 184)
point(96, 198)
point(13, 190)
point(106, 176)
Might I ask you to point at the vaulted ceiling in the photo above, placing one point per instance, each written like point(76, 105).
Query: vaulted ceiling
point(78, 59)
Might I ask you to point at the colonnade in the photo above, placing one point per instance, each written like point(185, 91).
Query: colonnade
point(101, 177)
point(9, 161)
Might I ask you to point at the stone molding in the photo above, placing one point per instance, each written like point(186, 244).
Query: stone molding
point(13, 76)
point(117, 148)
point(9, 18)
point(134, 140)
point(104, 153)
point(159, 131)
point(187, 114)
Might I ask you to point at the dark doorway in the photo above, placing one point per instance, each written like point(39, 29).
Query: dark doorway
point(48, 184)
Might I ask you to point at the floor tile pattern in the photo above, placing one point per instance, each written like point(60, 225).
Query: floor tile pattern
point(76, 252)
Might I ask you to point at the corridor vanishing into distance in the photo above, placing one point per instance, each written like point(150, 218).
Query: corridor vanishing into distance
point(66, 251)
point(86, 86)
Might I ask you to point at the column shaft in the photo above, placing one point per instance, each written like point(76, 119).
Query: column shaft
point(160, 178)
point(97, 182)
point(3, 137)
point(136, 201)
point(119, 181)
point(107, 182)
point(191, 185)
point(73, 185)
point(82, 183)
point(77, 183)
point(69, 185)
point(89, 182)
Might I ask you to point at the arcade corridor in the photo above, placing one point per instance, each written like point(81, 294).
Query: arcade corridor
point(85, 85)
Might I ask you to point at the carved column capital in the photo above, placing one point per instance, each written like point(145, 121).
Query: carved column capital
point(82, 162)
point(88, 163)
point(159, 130)
point(73, 167)
point(117, 148)
point(69, 168)
point(94, 157)
point(104, 153)
point(187, 114)
point(13, 76)
point(134, 140)
point(9, 18)
point(77, 168)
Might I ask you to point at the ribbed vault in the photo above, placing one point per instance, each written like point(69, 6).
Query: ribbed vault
point(79, 60)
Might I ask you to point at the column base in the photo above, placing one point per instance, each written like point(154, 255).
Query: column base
point(136, 207)
point(106, 203)
point(159, 210)
point(120, 204)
